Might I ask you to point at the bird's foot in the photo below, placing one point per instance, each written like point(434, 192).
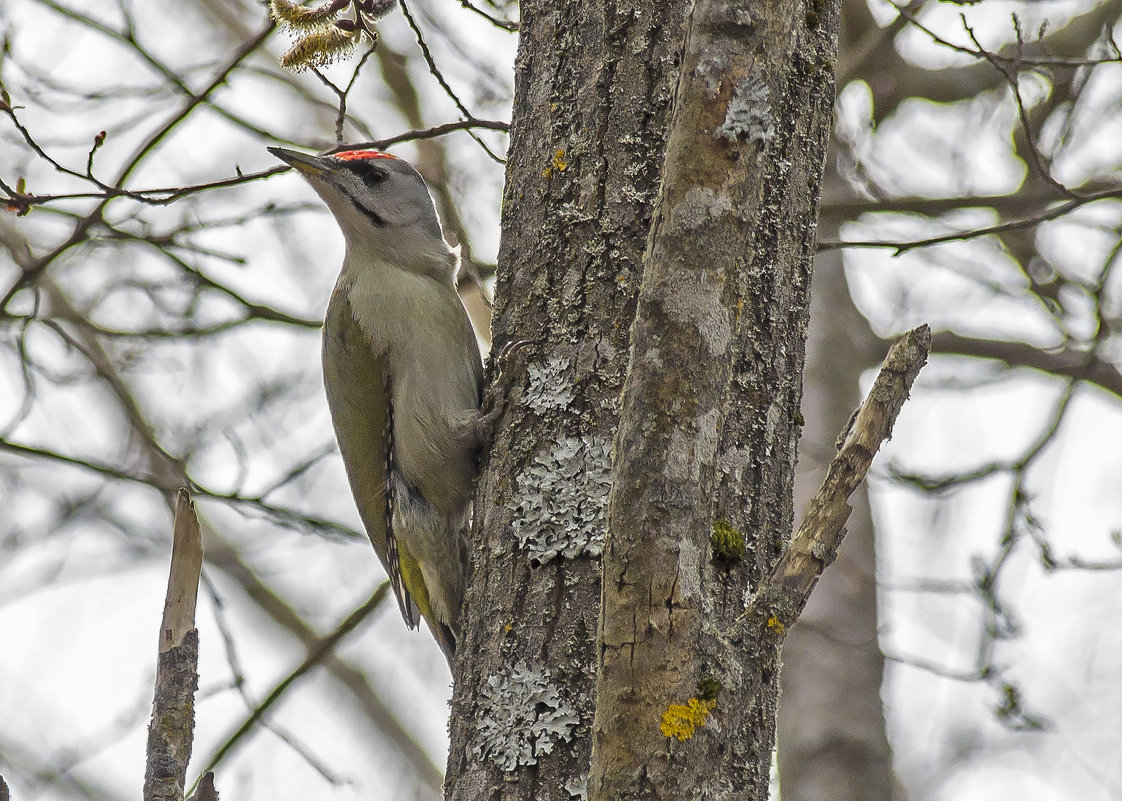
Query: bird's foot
point(504, 366)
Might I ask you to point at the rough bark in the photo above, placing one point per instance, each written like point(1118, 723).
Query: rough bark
point(207, 791)
point(705, 452)
point(593, 85)
point(172, 729)
point(831, 735)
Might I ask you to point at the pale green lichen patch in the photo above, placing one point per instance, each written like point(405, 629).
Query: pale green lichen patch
point(562, 499)
point(749, 117)
point(550, 386)
point(521, 717)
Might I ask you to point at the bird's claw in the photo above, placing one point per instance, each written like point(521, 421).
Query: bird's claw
point(494, 398)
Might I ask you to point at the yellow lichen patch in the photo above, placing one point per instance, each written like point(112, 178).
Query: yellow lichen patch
point(557, 165)
point(776, 625)
point(682, 720)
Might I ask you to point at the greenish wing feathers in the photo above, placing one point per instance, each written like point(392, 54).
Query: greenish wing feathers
point(357, 384)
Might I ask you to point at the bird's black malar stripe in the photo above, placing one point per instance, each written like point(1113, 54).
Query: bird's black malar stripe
point(374, 217)
point(370, 175)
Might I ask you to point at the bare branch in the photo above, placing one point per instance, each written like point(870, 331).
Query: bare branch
point(1014, 61)
point(31, 272)
point(505, 24)
point(342, 94)
point(430, 133)
point(784, 593)
point(1064, 362)
point(1055, 212)
point(443, 83)
point(1011, 75)
point(317, 654)
point(172, 730)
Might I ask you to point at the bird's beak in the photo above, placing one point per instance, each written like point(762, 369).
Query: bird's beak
point(309, 165)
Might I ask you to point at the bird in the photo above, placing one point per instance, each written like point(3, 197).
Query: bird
point(403, 377)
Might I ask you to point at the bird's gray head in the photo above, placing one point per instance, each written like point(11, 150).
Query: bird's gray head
point(381, 204)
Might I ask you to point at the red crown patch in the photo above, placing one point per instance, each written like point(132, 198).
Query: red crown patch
point(356, 155)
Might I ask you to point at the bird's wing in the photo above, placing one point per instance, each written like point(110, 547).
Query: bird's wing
point(357, 381)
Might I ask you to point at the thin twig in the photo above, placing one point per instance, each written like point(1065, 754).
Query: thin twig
point(1055, 212)
point(1020, 58)
point(342, 94)
point(31, 273)
point(315, 656)
point(430, 133)
point(435, 71)
point(505, 24)
point(1036, 158)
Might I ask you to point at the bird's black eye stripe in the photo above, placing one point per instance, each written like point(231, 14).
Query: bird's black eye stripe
point(370, 175)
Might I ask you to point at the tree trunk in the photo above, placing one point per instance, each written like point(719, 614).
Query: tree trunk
point(705, 454)
point(593, 86)
point(707, 440)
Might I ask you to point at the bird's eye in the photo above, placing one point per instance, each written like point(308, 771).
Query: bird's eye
point(370, 175)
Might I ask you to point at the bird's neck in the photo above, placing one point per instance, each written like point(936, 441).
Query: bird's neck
point(393, 304)
point(381, 257)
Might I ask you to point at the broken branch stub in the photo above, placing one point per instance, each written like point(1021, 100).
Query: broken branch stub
point(171, 731)
point(784, 593)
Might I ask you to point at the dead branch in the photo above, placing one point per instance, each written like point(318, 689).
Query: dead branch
point(171, 732)
point(784, 593)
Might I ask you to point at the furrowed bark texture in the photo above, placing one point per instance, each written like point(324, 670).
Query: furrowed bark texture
point(705, 453)
point(593, 87)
